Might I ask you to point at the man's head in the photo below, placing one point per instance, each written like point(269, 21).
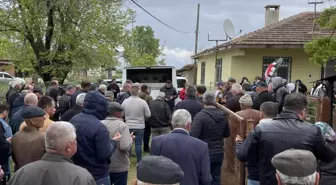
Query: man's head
point(29, 88)
point(115, 110)
point(297, 103)
point(236, 88)
point(127, 87)
point(33, 116)
point(144, 88)
point(269, 110)
point(169, 84)
point(85, 85)
point(138, 85)
point(70, 89)
point(135, 90)
point(3, 110)
point(161, 96)
point(113, 81)
point(209, 98)
point(38, 92)
point(16, 84)
point(296, 167)
point(54, 79)
point(80, 99)
point(181, 119)
point(61, 138)
point(231, 81)
point(246, 102)
point(191, 91)
point(158, 170)
point(78, 87)
point(30, 99)
point(246, 87)
point(261, 86)
point(109, 95)
point(47, 104)
point(201, 89)
point(102, 88)
point(54, 83)
point(129, 82)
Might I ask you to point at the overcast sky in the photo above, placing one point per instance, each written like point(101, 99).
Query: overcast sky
point(246, 15)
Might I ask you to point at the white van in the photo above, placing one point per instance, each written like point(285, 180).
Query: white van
point(155, 77)
point(181, 81)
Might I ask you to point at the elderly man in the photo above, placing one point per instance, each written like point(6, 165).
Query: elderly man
point(211, 126)
point(48, 105)
point(94, 143)
point(136, 111)
point(28, 143)
point(64, 101)
point(296, 167)
point(68, 115)
point(160, 115)
point(191, 104)
point(171, 94)
point(109, 96)
point(253, 116)
point(19, 102)
point(29, 100)
point(190, 153)
point(124, 94)
point(102, 89)
point(12, 94)
point(120, 159)
point(61, 145)
point(233, 102)
point(288, 125)
point(157, 170)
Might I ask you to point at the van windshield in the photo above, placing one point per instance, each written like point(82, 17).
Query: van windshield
point(181, 83)
point(155, 78)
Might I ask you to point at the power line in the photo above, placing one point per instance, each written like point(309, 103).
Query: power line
point(157, 18)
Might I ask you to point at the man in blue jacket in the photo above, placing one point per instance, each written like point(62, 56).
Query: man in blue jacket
point(190, 153)
point(94, 145)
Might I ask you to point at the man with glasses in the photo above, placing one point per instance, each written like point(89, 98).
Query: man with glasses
point(288, 130)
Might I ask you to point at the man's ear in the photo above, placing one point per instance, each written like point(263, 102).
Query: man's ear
point(278, 179)
point(317, 178)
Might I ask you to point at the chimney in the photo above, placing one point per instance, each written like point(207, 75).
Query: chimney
point(272, 14)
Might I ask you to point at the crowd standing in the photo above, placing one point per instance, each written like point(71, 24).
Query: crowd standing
point(84, 134)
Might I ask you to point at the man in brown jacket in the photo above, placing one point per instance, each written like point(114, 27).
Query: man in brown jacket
point(28, 144)
point(56, 166)
point(252, 117)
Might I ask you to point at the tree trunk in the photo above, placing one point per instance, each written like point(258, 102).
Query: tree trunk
point(55, 68)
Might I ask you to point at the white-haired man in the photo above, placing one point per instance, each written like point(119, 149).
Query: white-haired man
point(102, 89)
point(12, 94)
point(233, 102)
point(68, 115)
point(296, 167)
point(55, 167)
point(192, 155)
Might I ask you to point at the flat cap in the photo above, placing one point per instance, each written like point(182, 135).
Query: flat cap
point(295, 163)
point(114, 106)
point(262, 84)
point(159, 170)
point(32, 112)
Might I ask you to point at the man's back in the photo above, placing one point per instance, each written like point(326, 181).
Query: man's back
point(192, 105)
point(189, 153)
point(61, 168)
point(285, 132)
point(136, 109)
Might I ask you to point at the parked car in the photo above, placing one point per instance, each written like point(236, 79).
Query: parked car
point(6, 78)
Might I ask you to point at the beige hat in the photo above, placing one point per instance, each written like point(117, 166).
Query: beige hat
point(246, 100)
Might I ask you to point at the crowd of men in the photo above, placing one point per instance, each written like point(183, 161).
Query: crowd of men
point(85, 134)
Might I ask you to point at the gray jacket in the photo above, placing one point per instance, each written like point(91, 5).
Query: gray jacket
point(280, 91)
point(52, 169)
point(120, 159)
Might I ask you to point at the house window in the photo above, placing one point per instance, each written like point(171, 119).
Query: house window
point(203, 73)
point(218, 70)
point(284, 70)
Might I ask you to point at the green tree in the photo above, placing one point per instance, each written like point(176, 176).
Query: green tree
point(141, 48)
point(51, 37)
point(322, 48)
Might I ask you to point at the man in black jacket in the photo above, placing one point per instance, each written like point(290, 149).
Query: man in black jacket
point(114, 87)
point(125, 94)
point(171, 94)
point(191, 104)
point(160, 116)
point(12, 94)
point(64, 101)
point(263, 95)
point(287, 131)
point(78, 108)
point(85, 87)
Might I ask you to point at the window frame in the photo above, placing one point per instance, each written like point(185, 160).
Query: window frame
point(203, 65)
point(219, 69)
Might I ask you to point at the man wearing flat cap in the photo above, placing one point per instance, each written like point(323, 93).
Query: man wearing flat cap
point(158, 170)
point(296, 167)
point(28, 144)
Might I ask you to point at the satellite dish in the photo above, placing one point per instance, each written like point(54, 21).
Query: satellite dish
point(229, 29)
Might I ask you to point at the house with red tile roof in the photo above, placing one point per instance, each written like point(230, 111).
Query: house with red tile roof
point(249, 55)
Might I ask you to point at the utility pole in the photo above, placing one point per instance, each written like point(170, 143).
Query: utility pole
point(315, 3)
point(196, 44)
point(216, 56)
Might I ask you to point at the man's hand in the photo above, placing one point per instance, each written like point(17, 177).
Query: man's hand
point(132, 136)
point(117, 137)
point(239, 139)
point(2, 173)
point(9, 139)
